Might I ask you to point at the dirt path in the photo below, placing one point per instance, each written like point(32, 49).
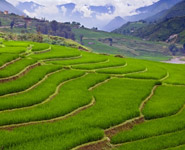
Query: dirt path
point(103, 144)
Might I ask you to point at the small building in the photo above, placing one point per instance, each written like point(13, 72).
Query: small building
point(6, 12)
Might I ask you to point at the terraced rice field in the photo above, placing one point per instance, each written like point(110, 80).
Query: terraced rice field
point(60, 98)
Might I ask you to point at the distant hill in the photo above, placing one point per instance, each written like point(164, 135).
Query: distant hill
point(160, 31)
point(114, 24)
point(5, 6)
point(168, 23)
point(130, 27)
point(148, 11)
point(176, 11)
point(28, 6)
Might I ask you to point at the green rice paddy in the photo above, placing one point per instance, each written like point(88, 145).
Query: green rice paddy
point(60, 98)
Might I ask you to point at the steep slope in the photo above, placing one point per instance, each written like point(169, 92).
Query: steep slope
point(163, 30)
point(176, 11)
point(148, 11)
point(5, 6)
point(130, 27)
point(114, 24)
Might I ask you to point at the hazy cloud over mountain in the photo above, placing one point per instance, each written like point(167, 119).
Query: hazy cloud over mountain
point(85, 9)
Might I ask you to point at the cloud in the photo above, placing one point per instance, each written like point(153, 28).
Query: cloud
point(64, 10)
point(45, 12)
point(84, 9)
point(122, 8)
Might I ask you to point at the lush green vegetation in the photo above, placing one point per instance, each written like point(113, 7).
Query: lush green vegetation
point(160, 26)
point(73, 97)
point(31, 78)
point(12, 50)
point(168, 100)
point(57, 52)
point(99, 42)
point(16, 67)
point(44, 90)
point(5, 57)
point(111, 62)
point(169, 140)
point(40, 46)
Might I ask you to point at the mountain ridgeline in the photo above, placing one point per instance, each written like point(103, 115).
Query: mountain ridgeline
point(114, 24)
point(5, 6)
point(160, 27)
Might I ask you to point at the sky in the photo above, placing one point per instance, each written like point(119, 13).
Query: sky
point(122, 8)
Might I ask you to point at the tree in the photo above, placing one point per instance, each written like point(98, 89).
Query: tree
point(0, 23)
point(184, 46)
point(173, 49)
point(54, 25)
point(111, 41)
point(12, 24)
point(81, 39)
point(25, 25)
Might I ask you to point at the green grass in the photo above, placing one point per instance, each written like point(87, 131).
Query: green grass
point(16, 67)
point(182, 147)
point(117, 98)
point(85, 59)
point(168, 100)
point(88, 118)
point(159, 142)
point(112, 62)
point(57, 52)
point(40, 46)
point(131, 67)
point(71, 96)
point(12, 50)
point(44, 90)
point(154, 71)
point(176, 72)
point(69, 140)
point(5, 57)
point(27, 81)
point(124, 45)
point(152, 128)
point(16, 44)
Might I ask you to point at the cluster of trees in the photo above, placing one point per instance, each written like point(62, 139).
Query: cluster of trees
point(174, 49)
point(56, 29)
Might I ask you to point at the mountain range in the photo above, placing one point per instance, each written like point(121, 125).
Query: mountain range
point(169, 23)
point(69, 12)
point(114, 24)
point(148, 11)
point(5, 6)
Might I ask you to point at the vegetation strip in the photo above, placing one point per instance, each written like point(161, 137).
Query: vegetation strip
point(10, 127)
point(9, 96)
point(9, 63)
point(48, 99)
point(22, 73)
point(146, 100)
point(32, 87)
